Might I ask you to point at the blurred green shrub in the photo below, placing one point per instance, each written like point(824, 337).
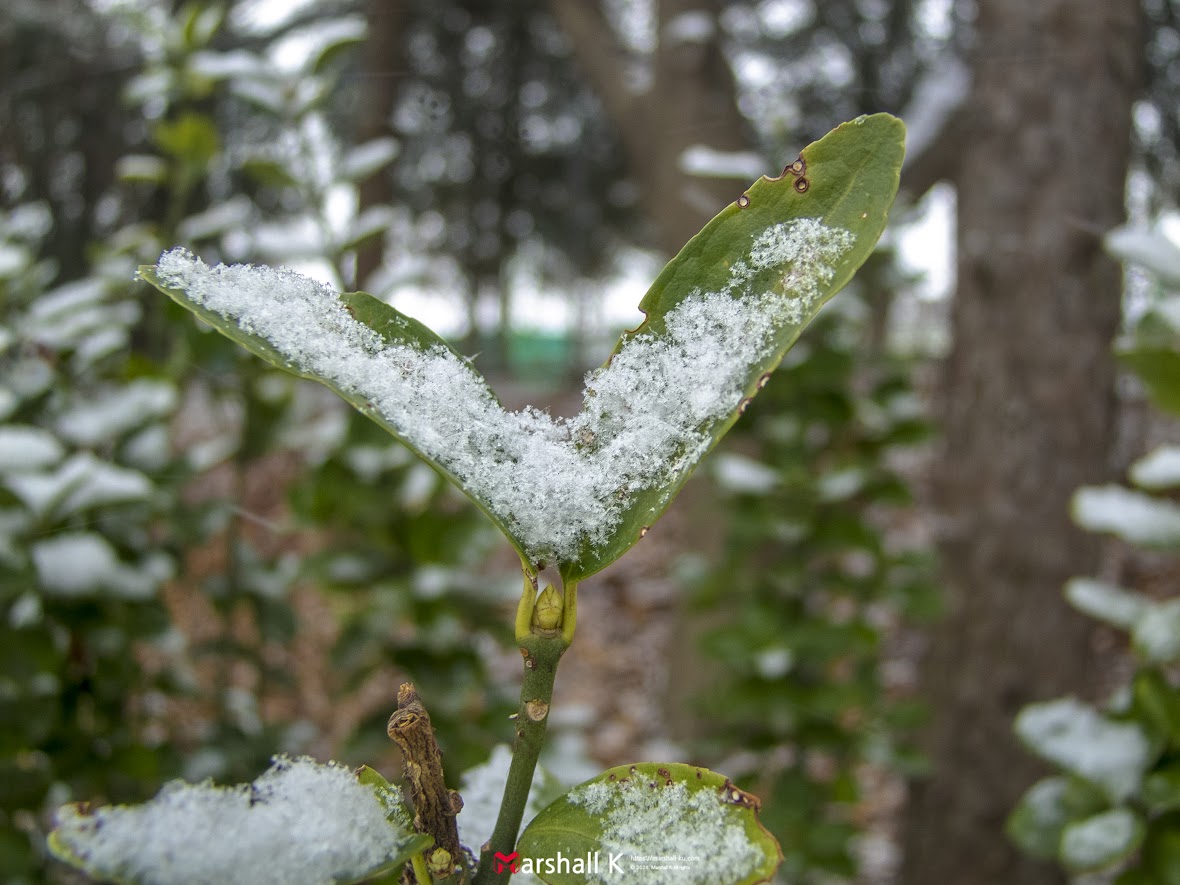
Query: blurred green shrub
point(809, 583)
point(1113, 808)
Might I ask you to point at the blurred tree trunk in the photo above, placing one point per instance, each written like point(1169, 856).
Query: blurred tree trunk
point(1028, 410)
point(690, 99)
point(382, 66)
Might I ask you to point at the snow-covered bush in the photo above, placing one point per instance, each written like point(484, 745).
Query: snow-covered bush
point(1114, 806)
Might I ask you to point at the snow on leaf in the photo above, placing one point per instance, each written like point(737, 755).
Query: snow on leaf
point(661, 823)
point(27, 448)
point(1149, 247)
point(556, 483)
point(299, 823)
point(1100, 841)
point(79, 483)
point(1106, 602)
point(1156, 635)
point(1158, 470)
point(79, 564)
point(1130, 515)
point(1080, 740)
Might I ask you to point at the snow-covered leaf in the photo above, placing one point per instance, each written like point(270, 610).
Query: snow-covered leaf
point(299, 823)
point(1128, 514)
point(365, 159)
point(1106, 602)
point(582, 491)
point(1150, 248)
point(1158, 470)
point(28, 448)
point(81, 482)
point(1076, 737)
point(1101, 841)
point(77, 564)
point(651, 824)
point(1038, 819)
point(1156, 635)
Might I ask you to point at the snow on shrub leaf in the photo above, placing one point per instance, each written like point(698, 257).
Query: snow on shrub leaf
point(1106, 602)
point(1133, 516)
point(299, 823)
point(580, 492)
point(1036, 822)
point(1101, 841)
point(1159, 470)
point(659, 823)
point(1081, 741)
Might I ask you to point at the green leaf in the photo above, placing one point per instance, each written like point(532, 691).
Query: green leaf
point(1161, 849)
point(1159, 369)
point(1156, 704)
point(1036, 823)
point(581, 492)
point(300, 822)
point(651, 822)
point(1161, 789)
point(1101, 841)
point(1044, 811)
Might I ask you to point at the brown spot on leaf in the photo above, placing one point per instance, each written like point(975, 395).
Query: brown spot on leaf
point(743, 201)
point(801, 185)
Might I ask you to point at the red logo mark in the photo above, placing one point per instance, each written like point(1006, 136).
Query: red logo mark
point(505, 860)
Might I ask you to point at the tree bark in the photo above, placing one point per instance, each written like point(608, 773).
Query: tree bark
point(1028, 411)
point(383, 64)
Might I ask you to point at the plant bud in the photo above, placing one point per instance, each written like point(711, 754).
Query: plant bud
point(547, 614)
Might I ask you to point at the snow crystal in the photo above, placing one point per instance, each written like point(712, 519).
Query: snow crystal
point(28, 448)
point(556, 484)
point(1073, 735)
point(1099, 840)
point(639, 821)
point(299, 823)
point(1106, 602)
point(1159, 470)
point(1132, 516)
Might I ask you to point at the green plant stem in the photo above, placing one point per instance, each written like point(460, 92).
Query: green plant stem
point(541, 651)
point(421, 873)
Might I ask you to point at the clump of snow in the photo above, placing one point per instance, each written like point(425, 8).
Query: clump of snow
point(27, 448)
point(110, 415)
point(1159, 470)
point(1106, 602)
point(1156, 636)
point(299, 823)
point(84, 563)
point(1076, 737)
point(1150, 247)
point(80, 482)
point(641, 821)
point(1100, 840)
point(558, 485)
point(1131, 515)
point(482, 789)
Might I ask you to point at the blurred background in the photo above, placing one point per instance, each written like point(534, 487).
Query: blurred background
point(204, 561)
